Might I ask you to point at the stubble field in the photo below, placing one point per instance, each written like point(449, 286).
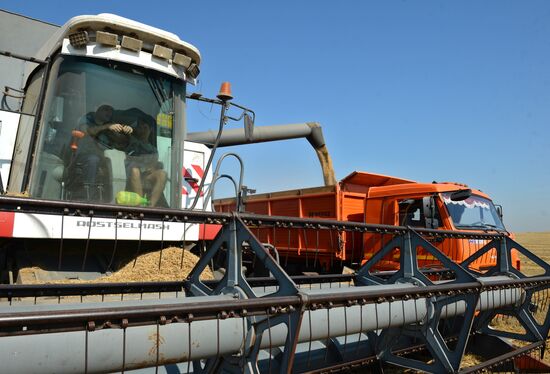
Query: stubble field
point(539, 244)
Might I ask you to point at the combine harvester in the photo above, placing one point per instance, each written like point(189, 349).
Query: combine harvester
point(412, 317)
point(72, 79)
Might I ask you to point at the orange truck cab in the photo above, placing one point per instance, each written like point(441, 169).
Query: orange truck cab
point(444, 206)
point(378, 199)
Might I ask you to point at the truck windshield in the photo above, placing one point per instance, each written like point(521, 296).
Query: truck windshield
point(473, 213)
point(106, 134)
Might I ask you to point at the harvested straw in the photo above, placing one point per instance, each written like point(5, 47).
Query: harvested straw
point(165, 265)
point(146, 267)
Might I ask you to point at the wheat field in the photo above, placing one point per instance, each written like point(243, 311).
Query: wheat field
point(539, 244)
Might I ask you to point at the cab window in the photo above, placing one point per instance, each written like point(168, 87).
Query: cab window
point(411, 213)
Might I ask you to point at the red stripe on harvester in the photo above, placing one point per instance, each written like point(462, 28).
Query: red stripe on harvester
point(188, 178)
point(6, 224)
point(208, 231)
point(198, 169)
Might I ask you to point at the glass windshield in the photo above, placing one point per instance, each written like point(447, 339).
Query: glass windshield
point(474, 212)
point(107, 134)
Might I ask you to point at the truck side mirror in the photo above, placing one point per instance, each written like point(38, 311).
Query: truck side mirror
point(429, 208)
point(499, 211)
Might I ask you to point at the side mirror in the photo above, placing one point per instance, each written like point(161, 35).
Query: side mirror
point(248, 127)
point(429, 208)
point(461, 195)
point(499, 211)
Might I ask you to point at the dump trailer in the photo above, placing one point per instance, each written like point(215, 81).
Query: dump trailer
point(376, 199)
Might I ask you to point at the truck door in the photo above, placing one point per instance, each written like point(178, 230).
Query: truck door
point(412, 213)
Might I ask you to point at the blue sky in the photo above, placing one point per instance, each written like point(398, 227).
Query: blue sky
point(425, 90)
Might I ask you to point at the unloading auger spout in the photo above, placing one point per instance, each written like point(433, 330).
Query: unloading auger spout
point(312, 131)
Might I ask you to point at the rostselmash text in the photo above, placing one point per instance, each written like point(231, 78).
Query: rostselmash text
point(123, 225)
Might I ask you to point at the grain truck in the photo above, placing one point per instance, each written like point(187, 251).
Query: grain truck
point(377, 199)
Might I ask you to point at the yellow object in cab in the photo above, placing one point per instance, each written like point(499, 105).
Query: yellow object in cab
point(131, 198)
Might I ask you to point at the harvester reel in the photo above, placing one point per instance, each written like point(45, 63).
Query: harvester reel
point(534, 331)
point(232, 237)
point(410, 319)
point(408, 260)
point(503, 249)
point(444, 359)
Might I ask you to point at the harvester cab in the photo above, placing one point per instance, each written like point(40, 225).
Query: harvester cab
point(108, 104)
